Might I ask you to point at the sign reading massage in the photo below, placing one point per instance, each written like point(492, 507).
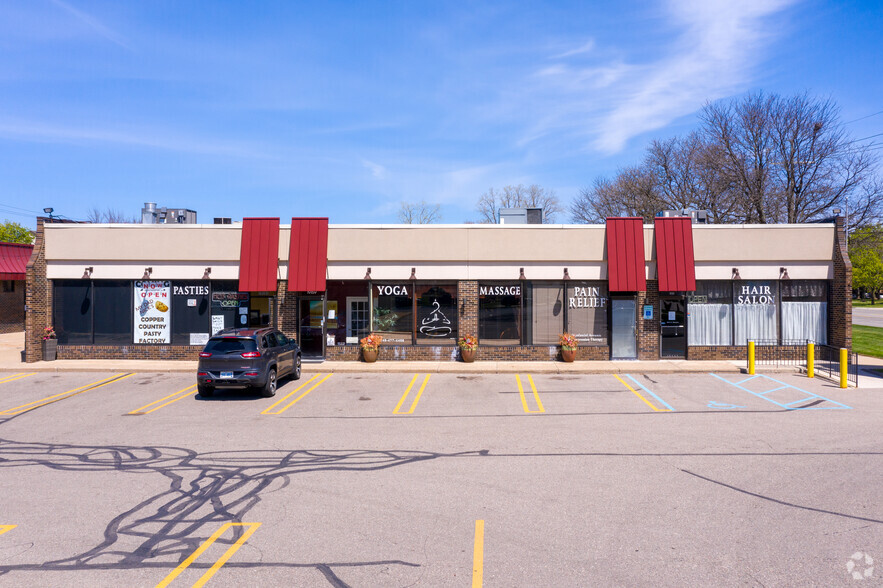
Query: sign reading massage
point(499, 290)
point(152, 309)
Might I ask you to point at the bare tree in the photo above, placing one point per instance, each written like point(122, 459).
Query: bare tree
point(631, 193)
point(109, 215)
point(533, 196)
point(420, 213)
point(758, 159)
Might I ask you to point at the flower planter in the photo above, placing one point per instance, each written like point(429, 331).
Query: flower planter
point(568, 355)
point(50, 349)
point(369, 355)
point(467, 355)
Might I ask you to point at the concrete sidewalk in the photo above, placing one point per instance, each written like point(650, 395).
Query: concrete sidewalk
point(12, 344)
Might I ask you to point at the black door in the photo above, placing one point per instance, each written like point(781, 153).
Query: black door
point(673, 327)
point(311, 331)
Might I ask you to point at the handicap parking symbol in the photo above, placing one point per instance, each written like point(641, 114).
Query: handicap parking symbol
point(722, 405)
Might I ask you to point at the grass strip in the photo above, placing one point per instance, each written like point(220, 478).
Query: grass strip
point(867, 340)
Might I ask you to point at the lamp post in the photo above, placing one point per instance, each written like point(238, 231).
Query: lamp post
point(49, 211)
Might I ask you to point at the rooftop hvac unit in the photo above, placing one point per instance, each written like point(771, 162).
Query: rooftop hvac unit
point(521, 216)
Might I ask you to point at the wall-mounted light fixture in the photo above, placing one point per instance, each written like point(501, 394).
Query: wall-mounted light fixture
point(521, 275)
point(368, 274)
point(207, 274)
point(88, 273)
point(783, 273)
point(413, 273)
point(736, 275)
point(566, 274)
point(147, 272)
point(836, 212)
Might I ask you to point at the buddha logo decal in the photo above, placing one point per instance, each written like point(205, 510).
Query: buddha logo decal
point(436, 324)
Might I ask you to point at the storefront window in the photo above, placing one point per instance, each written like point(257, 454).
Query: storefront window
point(113, 310)
point(436, 314)
point(587, 304)
point(804, 311)
point(191, 322)
point(546, 304)
point(394, 312)
point(499, 313)
point(72, 311)
point(754, 311)
point(229, 307)
point(346, 312)
point(710, 314)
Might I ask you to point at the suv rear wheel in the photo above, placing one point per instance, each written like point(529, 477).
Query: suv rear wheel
point(205, 391)
point(270, 386)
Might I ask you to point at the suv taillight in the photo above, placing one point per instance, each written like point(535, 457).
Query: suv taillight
point(204, 354)
point(251, 354)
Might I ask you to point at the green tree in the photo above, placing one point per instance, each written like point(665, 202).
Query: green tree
point(867, 272)
point(11, 232)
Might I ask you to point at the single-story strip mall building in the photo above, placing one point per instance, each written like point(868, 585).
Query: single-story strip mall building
point(625, 289)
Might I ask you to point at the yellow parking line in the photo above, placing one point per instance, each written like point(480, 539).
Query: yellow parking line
point(252, 527)
point(647, 402)
point(535, 395)
point(6, 528)
point(478, 555)
point(63, 395)
point(182, 394)
point(416, 398)
point(269, 410)
point(15, 377)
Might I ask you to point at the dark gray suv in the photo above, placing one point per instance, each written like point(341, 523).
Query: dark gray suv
point(237, 358)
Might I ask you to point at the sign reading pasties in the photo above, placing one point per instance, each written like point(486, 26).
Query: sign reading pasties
point(153, 303)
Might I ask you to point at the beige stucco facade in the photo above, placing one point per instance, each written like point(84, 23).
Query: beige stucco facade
point(437, 252)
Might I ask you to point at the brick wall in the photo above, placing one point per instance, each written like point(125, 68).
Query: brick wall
point(840, 315)
point(648, 330)
point(169, 352)
point(38, 297)
point(467, 298)
point(12, 308)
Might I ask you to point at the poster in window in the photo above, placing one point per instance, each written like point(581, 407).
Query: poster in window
point(152, 304)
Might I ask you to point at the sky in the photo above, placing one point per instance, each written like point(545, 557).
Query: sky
point(344, 109)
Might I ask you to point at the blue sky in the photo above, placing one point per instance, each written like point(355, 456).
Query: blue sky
point(346, 109)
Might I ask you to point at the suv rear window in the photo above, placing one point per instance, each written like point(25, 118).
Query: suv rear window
point(230, 345)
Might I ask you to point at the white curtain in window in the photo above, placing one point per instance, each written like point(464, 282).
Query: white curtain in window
point(805, 320)
point(710, 324)
point(756, 322)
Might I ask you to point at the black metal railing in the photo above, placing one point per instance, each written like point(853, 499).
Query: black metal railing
point(793, 353)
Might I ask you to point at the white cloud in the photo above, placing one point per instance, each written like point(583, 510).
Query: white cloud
point(584, 48)
point(718, 44)
point(94, 24)
point(377, 170)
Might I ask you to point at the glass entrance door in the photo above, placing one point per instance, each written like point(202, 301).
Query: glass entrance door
point(311, 328)
point(673, 327)
point(622, 334)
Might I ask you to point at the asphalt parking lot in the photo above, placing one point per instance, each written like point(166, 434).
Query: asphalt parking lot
point(117, 479)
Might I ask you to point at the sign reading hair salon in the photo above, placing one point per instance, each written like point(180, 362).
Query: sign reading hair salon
point(755, 293)
point(153, 303)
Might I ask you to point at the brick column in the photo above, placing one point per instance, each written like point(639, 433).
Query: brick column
point(467, 299)
point(38, 298)
point(648, 330)
point(286, 305)
point(840, 315)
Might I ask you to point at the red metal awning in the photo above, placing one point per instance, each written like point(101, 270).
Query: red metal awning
point(674, 254)
point(625, 254)
point(259, 255)
point(308, 255)
point(14, 260)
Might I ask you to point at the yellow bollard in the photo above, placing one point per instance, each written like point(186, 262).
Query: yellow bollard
point(751, 358)
point(810, 360)
point(844, 367)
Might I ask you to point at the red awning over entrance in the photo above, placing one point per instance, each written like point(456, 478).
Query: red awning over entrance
point(308, 255)
point(674, 254)
point(625, 254)
point(14, 260)
point(259, 255)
